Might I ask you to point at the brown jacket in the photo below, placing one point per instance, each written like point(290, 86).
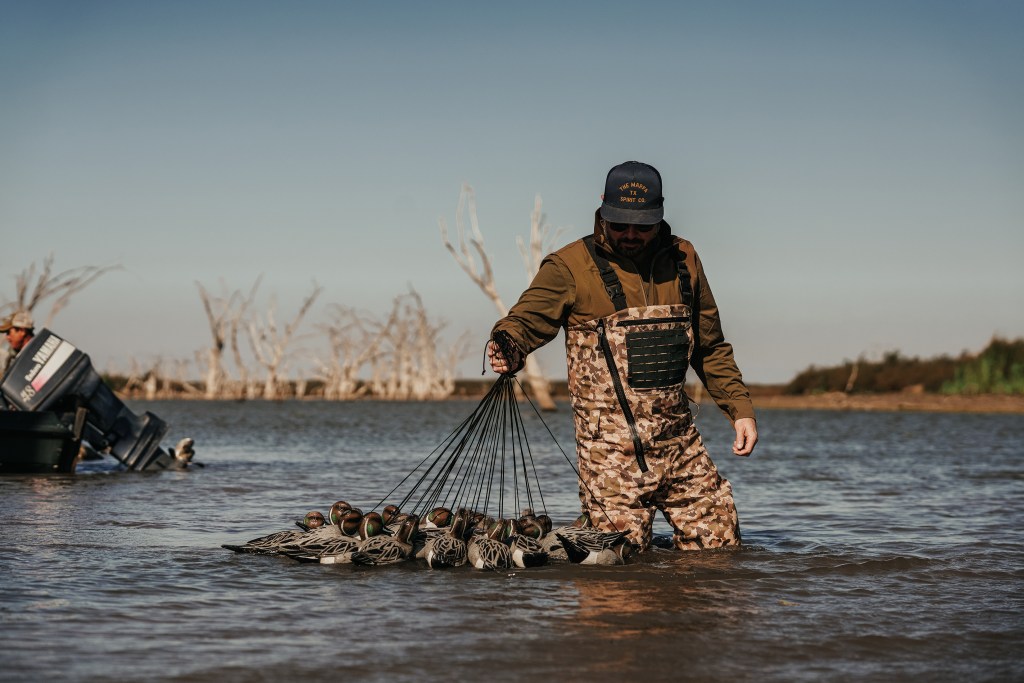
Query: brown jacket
point(568, 290)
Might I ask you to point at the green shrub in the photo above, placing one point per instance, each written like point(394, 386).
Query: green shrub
point(998, 369)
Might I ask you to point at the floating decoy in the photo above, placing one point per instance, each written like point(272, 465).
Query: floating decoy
point(389, 513)
point(372, 524)
point(447, 547)
point(383, 549)
point(313, 542)
point(336, 512)
point(488, 552)
point(531, 528)
point(350, 522)
point(183, 453)
point(269, 544)
point(482, 524)
point(314, 519)
point(397, 521)
point(550, 541)
point(369, 526)
point(589, 546)
point(265, 545)
point(438, 518)
point(526, 550)
point(340, 549)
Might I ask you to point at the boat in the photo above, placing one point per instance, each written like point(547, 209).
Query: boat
point(36, 443)
point(54, 404)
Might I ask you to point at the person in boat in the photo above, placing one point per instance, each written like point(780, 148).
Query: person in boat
point(637, 312)
point(19, 330)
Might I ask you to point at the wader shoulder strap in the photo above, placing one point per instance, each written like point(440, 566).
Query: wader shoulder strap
point(690, 294)
point(685, 287)
point(612, 285)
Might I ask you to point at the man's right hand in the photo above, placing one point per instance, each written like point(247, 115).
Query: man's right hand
point(499, 363)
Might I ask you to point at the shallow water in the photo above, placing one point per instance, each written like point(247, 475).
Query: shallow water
point(878, 546)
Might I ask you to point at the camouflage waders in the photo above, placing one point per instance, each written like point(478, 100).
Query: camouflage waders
point(637, 446)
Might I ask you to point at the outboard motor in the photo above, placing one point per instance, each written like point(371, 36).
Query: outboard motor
point(50, 374)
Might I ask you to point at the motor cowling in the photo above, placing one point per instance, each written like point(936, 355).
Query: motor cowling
point(51, 374)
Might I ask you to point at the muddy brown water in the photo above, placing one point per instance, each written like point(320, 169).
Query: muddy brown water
point(878, 546)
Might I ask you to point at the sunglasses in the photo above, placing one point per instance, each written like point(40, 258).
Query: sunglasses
point(623, 227)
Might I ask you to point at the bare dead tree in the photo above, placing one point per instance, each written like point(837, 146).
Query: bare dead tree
point(234, 327)
point(852, 379)
point(32, 288)
point(269, 343)
point(181, 378)
point(411, 365)
point(483, 276)
point(132, 381)
point(354, 341)
point(154, 378)
point(219, 313)
point(145, 379)
point(226, 315)
point(542, 240)
point(435, 373)
point(384, 373)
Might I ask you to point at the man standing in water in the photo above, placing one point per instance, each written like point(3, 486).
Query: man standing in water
point(637, 311)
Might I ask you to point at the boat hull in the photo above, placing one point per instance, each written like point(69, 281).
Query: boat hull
point(36, 443)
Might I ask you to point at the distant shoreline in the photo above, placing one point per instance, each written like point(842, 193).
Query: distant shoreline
point(765, 397)
point(897, 401)
point(770, 397)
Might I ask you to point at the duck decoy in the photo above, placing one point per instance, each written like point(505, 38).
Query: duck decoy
point(531, 528)
point(271, 543)
point(369, 526)
point(447, 547)
point(438, 518)
point(550, 541)
point(389, 513)
point(589, 546)
point(526, 550)
point(489, 551)
point(182, 454)
point(337, 510)
point(372, 524)
point(314, 519)
point(265, 545)
point(350, 523)
point(391, 528)
point(340, 549)
point(313, 542)
point(384, 549)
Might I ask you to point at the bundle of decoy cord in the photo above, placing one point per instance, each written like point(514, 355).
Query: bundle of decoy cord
point(475, 499)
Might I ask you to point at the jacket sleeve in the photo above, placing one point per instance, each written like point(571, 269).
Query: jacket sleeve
point(543, 308)
point(713, 359)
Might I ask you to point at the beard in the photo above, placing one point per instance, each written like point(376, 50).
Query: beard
point(630, 249)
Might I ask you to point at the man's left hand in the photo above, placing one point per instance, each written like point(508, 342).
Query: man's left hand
point(746, 436)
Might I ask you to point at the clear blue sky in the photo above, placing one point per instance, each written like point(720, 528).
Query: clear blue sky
point(852, 174)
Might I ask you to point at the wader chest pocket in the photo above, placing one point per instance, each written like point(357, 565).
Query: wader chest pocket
point(656, 358)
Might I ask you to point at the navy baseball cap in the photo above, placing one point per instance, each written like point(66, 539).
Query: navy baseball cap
point(632, 194)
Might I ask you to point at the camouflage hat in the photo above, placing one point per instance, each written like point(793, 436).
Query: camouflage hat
point(19, 319)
